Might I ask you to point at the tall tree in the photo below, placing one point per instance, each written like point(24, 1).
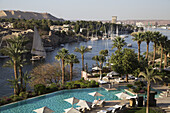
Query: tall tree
point(124, 62)
point(71, 59)
point(147, 37)
point(166, 48)
point(15, 50)
point(139, 37)
point(96, 59)
point(162, 40)
point(118, 43)
point(82, 50)
point(101, 60)
point(62, 55)
point(156, 36)
point(129, 62)
point(104, 52)
point(149, 76)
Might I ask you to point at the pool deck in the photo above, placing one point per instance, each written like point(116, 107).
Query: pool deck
point(163, 102)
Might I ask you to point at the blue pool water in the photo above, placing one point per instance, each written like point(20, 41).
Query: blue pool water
point(55, 101)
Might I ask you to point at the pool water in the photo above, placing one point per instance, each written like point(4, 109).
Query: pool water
point(55, 101)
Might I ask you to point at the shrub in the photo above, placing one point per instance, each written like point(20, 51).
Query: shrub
point(70, 85)
point(23, 95)
point(82, 79)
point(129, 85)
point(16, 98)
point(39, 89)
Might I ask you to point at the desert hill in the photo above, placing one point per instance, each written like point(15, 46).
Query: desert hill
point(27, 15)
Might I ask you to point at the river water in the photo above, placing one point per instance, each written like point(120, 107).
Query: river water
point(7, 73)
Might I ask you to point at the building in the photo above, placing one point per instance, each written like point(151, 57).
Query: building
point(139, 24)
point(114, 19)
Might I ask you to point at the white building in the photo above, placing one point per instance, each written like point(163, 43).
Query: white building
point(139, 24)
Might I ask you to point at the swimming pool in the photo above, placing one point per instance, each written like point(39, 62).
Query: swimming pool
point(55, 101)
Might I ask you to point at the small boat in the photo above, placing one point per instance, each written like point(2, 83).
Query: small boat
point(38, 50)
point(62, 45)
point(49, 49)
point(123, 36)
point(90, 47)
point(129, 45)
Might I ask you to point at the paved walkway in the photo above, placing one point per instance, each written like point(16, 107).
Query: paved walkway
point(163, 102)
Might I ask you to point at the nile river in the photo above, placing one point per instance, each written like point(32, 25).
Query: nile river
point(7, 73)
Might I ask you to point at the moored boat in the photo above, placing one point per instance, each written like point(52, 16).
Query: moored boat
point(129, 45)
point(38, 50)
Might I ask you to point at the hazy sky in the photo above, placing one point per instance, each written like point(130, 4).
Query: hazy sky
point(94, 9)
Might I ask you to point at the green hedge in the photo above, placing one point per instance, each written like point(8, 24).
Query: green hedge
point(42, 89)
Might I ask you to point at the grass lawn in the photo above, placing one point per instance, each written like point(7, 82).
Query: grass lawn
point(143, 110)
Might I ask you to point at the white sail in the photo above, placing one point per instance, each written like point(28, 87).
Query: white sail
point(37, 46)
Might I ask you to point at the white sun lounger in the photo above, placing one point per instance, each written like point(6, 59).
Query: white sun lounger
point(102, 111)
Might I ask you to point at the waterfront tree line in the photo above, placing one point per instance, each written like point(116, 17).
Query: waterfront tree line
point(89, 27)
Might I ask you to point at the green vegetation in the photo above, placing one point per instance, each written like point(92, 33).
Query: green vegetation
point(62, 55)
point(72, 59)
point(91, 26)
point(139, 37)
point(82, 50)
point(118, 43)
point(149, 75)
point(143, 109)
point(124, 62)
point(15, 50)
point(42, 89)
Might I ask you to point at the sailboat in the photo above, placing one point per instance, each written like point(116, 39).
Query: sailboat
point(38, 50)
point(1, 55)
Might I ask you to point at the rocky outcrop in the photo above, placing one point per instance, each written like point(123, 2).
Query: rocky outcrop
point(27, 15)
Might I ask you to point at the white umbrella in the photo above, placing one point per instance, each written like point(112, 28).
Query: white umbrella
point(95, 94)
point(43, 110)
point(72, 100)
point(71, 110)
point(123, 96)
point(96, 68)
point(112, 73)
point(84, 104)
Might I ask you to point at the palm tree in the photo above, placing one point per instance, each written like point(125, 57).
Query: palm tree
point(62, 55)
point(82, 50)
point(162, 42)
point(104, 52)
point(147, 37)
point(149, 76)
point(96, 59)
point(156, 36)
point(26, 79)
point(13, 83)
point(15, 50)
point(166, 48)
point(101, 60)
point(118, 43)
point(139, 38)
point(71, 59)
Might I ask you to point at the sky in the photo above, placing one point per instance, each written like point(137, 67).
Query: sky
point(94, 9)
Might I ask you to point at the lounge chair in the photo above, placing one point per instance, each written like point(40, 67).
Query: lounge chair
point(102, 82)
point(102, 111)
point(113, 109)
point(101, 103)
point(119, 80)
